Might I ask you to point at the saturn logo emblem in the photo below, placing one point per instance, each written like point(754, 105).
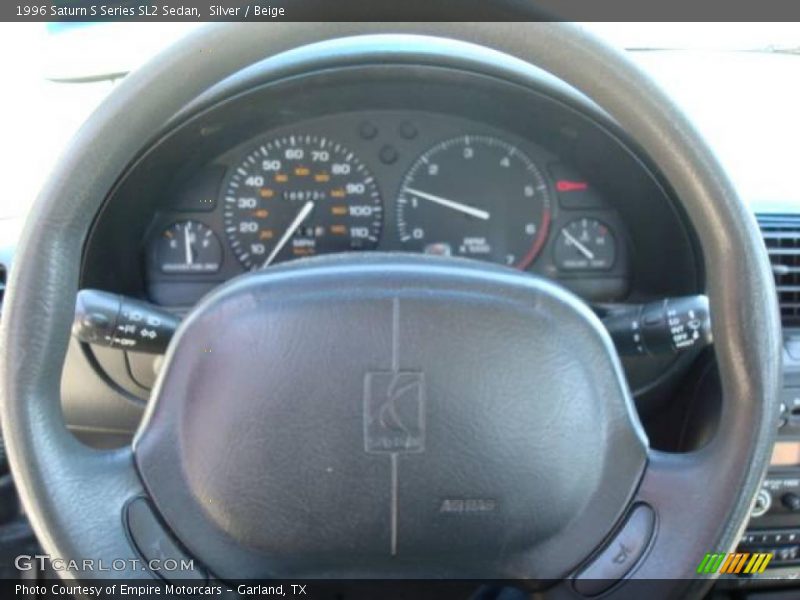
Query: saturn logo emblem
point(394, 411)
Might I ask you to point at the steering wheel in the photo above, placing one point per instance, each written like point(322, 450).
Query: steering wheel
point(388, 415)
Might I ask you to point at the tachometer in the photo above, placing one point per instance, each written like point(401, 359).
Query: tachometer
point(298, 196)
point(477, 197)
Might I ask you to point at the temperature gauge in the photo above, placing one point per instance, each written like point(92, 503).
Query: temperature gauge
point(188, 247)
point(585, 245)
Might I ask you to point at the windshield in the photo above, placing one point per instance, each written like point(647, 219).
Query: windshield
point(60, 73)
point(731, 37)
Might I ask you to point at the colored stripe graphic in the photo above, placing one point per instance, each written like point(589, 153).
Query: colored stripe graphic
point(734, 563)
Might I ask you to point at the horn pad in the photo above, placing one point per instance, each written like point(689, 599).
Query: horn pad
point(391, 415)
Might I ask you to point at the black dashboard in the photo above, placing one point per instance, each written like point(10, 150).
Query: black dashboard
point(392, 158)
point(394, 181)
point(361, 146)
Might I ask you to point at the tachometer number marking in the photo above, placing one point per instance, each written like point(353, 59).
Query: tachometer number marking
point(475, 196)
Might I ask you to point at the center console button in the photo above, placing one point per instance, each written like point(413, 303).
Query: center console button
point(762, 503)
point(787, 553)
point(791, 501)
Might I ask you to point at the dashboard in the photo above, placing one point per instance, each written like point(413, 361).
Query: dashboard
point(393, 181)
point(419, 158)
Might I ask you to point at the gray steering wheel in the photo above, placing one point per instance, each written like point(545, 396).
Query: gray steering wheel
point(234, 473)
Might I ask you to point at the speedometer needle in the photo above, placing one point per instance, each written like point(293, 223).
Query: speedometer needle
point(581, 248)
point(301, 216)
point(464, 208)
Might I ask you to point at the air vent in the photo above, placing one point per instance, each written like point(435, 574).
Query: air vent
point(782, 238)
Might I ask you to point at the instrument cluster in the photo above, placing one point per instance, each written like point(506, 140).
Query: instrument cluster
point(386, 180)
point(393, 158)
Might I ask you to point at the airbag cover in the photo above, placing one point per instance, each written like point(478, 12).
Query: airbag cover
point(389, 415)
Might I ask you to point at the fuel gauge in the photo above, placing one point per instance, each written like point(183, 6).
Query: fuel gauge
point(585, 245)
point(188, 247)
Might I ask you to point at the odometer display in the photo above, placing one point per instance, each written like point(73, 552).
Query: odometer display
point(477, 197)
point(299, 196)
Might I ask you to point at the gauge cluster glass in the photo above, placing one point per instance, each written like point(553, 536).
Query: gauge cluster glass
point(476, 197)
point(300, 195)
point(188, 247)
point(389, 181)
point(585, 245)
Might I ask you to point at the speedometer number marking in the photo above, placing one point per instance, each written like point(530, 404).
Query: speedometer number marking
point(300, 176)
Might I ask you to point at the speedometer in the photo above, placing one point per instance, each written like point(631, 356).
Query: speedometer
point(299, 196)
point(478, 197)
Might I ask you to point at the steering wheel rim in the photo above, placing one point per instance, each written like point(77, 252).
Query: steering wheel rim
point(53, 470)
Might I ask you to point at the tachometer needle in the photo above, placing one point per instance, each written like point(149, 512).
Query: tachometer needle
point(187, 243)
point(581, 248)
point(467, 210)
point(301, 216)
